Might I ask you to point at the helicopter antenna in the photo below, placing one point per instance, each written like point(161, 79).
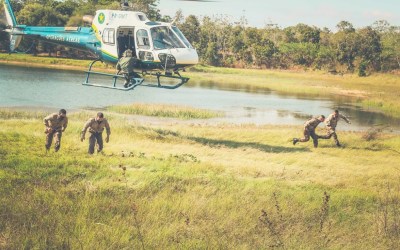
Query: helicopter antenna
point(173, 21)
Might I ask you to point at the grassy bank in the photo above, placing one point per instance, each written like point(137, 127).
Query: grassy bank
point(164, 110)
point(48, 62)
point(378, 91)
point(195, 186)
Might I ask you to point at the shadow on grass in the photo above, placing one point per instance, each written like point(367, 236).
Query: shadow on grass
point(371, 148)
point(231, 144)
point(165, 132)
point(255, 145)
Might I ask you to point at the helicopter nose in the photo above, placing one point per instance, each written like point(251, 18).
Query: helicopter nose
point(187, 56)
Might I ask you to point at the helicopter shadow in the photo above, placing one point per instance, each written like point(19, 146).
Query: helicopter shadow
point(255, 145)
point(216, 143)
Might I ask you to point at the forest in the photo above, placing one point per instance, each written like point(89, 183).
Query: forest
point(223, 42)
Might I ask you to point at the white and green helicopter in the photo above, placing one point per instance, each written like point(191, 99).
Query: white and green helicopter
point(161, 48)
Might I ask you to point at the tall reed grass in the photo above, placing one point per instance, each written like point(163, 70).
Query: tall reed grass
point(163, 110)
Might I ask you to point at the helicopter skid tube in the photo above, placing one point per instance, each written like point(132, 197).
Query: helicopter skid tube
point(159, 85)
point(134, 81)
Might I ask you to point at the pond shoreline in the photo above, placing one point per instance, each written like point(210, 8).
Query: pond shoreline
point(75, 68)
point(149, 120)
point(363, 91)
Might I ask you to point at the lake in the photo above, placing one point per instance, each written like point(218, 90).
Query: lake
point(54, 89)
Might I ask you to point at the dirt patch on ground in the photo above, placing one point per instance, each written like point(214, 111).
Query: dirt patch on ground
point(353, 93)
point(396, 72)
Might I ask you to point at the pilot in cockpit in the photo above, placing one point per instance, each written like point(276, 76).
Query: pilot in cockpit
point(157, 40)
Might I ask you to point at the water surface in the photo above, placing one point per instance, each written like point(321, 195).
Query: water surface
point(47, 88)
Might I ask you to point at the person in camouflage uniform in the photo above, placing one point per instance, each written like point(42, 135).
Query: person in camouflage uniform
point(55, 123)
point(331, 123)
point(309, 130)
point(96, 127)
point(126, 65)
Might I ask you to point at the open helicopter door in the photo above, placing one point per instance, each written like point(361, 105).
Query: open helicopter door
point(125, 40)
point(120, 40)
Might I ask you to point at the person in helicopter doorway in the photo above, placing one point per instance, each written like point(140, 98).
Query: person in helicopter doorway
point(126, 65)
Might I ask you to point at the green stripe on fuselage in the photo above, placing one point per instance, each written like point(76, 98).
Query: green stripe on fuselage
point(109, 57)
point(82, 38)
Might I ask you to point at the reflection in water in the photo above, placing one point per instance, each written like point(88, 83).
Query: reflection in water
point(231, 87)
point(302, 116)
point(369, 118)
point(55, 89)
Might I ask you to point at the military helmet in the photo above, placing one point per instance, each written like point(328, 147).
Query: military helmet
point(128, 53)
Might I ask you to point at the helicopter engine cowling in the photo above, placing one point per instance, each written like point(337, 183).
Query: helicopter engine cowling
point(88, 19)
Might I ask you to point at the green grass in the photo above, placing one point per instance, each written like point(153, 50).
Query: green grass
point(163, 110)
point(49, 62)
point(6, 113)
point(195, 186)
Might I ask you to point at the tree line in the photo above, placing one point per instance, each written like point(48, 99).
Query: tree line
point(221, 41)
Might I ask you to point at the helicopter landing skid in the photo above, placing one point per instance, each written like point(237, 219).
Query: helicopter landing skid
point(134, 82)
point(183, 80)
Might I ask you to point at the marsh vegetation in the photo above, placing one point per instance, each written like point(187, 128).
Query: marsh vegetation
point(178, 185)
point(163, 110)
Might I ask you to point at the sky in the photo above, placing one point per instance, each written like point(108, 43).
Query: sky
point(284, 13)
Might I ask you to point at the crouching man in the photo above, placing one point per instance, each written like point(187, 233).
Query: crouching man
point(126, 65)
point(96, 127)
point(56, 124)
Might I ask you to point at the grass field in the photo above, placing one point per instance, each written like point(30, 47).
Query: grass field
point(191, 186)
point(164, 110)
point(378, 91)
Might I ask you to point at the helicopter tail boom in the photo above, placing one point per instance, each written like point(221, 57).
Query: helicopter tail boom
point(10, 17)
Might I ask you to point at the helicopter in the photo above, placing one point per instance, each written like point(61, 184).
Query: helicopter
point(161, 49)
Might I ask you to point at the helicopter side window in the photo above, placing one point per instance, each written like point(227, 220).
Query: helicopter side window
point(142, 38)
point(164, 38)
point(142, 18)
point(109, 36)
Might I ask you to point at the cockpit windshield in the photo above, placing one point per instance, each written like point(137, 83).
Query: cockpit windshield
point(165, 38)
point(182, 37)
